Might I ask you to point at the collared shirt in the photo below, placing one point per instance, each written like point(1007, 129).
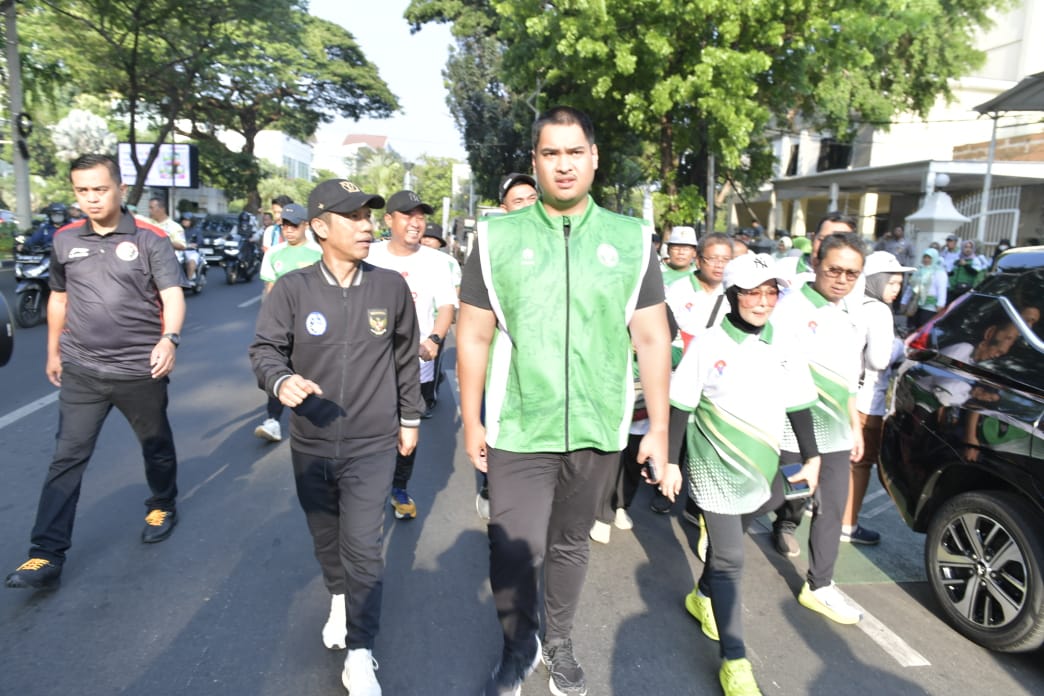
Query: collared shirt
point(694, 308)
point(114, 314)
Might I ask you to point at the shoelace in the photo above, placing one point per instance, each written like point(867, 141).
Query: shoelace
point(34, 564)
point(156, 518)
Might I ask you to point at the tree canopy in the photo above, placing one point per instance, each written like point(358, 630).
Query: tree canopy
point(670, 84)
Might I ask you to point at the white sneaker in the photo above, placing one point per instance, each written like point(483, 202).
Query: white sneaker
point(482, 506)
point(829, 602)
point(358, 675)
point(600, 532)
point(335, 632)
point(269, 430)
point(623, 520)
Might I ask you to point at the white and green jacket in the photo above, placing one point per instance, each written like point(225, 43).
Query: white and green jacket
point(564, 290)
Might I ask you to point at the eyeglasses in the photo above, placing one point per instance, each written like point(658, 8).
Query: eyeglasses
point(757, 295)
point(715, 260)
point(835, 272)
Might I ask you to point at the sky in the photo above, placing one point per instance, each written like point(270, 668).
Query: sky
point(412, 67)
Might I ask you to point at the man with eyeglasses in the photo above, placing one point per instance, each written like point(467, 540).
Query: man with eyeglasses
point(697, 303)
point(435, 297)
point(816, 317)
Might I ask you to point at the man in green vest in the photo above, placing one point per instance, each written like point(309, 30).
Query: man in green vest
point(552, 298)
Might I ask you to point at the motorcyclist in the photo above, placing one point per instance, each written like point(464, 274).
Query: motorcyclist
point(246, 227)
point(57, 216)
point(193, 240)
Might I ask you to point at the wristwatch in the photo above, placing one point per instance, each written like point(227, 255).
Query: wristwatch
point(436, 339)
point(173, 338)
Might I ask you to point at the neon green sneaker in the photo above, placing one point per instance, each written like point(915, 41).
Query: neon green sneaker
point(700, 608)
point(737, 678)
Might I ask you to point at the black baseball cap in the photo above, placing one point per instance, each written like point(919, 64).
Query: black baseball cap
point(434, 231)
point(339, 196)
point(294, 214)
point(511, 180)
point(405, 201)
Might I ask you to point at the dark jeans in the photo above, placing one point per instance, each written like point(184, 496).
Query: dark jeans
point(404, 463)
point(344, 504)
point(723, 572)
point(84, 402)
point(274, 408)
point(541, 503)
point(824, 536)
point(621, 488)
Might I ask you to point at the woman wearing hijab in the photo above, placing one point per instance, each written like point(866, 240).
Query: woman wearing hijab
point(881, 349)
point(969, 268)
point(929, 283)
point(730, 396)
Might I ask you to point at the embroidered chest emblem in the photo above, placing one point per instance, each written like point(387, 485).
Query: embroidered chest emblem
point(378, 321)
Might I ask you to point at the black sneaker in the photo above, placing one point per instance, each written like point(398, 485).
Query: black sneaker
point(785, 543)
point(158, 525)
point(507, 677)
point(37, 573)
point(567, 676)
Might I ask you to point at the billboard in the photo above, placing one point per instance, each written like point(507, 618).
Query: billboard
point(177, 165)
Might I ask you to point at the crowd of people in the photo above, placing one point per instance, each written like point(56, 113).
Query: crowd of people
point(586, 364)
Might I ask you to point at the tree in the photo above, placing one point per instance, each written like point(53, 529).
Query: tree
point(292, 75)
point(493, 118)
point(701, 77)
point(380, 171)
point(79, 132)
point(433, 180)
point(151, 53)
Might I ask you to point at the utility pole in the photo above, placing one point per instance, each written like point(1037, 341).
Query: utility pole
point(21, 123)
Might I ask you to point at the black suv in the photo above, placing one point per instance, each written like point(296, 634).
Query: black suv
point(962, 454)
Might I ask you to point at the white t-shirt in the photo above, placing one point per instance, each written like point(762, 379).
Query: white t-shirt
point(173, 229)
point(692, 306)
point(881, 350)
point(428, 275)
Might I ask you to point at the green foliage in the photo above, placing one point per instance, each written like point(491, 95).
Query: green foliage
point(379, 171)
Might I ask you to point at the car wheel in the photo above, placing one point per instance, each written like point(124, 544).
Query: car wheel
point(983, 555)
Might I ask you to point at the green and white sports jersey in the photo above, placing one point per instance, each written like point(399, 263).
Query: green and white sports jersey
point(738, 388)
point(673, 275)
point(283, 258)
point(830, 339)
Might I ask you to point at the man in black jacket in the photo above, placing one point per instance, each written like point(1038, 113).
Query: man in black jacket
point(337, 343)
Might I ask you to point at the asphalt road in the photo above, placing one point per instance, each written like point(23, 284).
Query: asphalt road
point(233, 603)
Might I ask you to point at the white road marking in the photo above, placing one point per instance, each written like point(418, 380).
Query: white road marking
point(198, 486)
point(887, 639)
point(875, 511)
point(874, 496)
point(24, 411)
point(249, 302)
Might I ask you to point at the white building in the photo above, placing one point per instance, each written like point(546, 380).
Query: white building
point(883, 176)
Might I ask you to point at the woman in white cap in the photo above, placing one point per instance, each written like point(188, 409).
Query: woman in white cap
point(884, 280)
point(729, 399)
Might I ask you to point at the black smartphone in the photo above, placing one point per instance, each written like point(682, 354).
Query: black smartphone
point(794, 491)
point(652, 474)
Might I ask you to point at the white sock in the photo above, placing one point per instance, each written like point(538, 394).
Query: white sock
point(335, 632)
point(848, 528)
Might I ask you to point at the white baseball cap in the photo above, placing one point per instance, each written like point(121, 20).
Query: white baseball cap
point(682, 234)
point(884, 262)
point(751, 270)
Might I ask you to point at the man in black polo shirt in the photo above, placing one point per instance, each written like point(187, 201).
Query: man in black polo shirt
point(113, 323)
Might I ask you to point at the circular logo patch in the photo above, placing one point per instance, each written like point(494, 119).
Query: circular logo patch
point(316, 324)
point(607, 255)
point(127, 251)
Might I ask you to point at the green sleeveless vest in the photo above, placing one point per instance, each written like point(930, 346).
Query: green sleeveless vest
point(564, 290)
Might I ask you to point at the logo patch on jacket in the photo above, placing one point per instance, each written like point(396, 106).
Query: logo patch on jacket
point(315, 323)
point(378, 321)
point(608, 256)
point(127, 251)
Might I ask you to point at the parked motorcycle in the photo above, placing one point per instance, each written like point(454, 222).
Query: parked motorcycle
point(32, 270)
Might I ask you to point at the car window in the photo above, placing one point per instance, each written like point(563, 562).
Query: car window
point(998, 335)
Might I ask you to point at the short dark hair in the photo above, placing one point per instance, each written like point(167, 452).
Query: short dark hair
point(709, 240)
point(97, 160)
point(159, 201)
point(282, 201)
point(563, 116)
point(850, 240)
point(836, 216)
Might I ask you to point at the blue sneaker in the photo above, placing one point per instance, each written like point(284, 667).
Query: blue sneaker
point(402, 503)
